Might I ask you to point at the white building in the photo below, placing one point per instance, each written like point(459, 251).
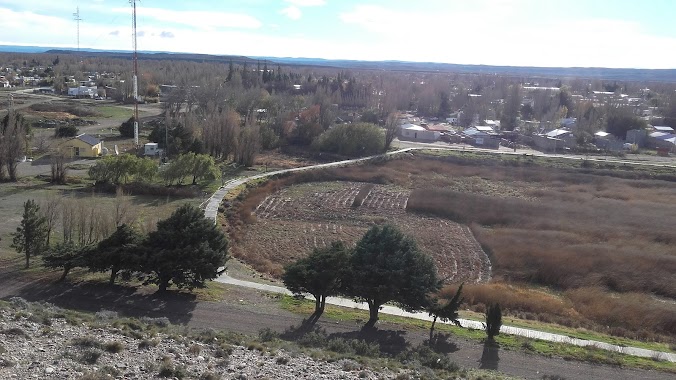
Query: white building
point(414, 132)
point(82, 92)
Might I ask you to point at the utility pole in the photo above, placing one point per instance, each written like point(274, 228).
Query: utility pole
point(133, 4)
point(76, 18)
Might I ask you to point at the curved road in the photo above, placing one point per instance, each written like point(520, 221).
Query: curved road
point(211, 211)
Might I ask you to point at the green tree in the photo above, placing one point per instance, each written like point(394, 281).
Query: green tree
point(444, 310)
point(66, 255)
point(186, 250)
point(361, 139)
point(493, 320)
point(619, 123)
point(510, 114)
point(198, 166)
point(444, 105)
point(127, 128)
point(387, 266)
point(120, 169)
point(66, 131)
point(31, 236)
point(321, 274)
point(117, 252)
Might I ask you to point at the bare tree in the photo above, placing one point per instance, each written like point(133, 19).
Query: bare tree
point(249, 143)
point(58, 166)
point(50, 207)
point(391, 126)
point(14, 136)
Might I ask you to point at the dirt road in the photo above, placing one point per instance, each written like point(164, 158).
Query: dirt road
point(247, 311)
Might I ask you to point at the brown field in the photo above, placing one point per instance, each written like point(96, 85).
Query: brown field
point(600, 248)
point(290, 222)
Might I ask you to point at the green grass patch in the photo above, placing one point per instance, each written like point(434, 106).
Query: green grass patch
point(509, 342)
point(572, 332)
point(115, 112)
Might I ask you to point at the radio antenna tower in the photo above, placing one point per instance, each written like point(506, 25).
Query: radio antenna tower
point(76, 18)
point(135, 78)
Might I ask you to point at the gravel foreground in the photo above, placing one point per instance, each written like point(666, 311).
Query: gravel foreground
point(42, 342)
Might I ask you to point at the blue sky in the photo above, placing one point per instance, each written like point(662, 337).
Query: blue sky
point(590, 33)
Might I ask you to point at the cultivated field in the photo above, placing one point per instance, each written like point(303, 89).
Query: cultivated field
point(583, 247)
point(296, 219)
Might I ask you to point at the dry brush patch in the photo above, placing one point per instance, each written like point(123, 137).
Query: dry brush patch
point(568, 229)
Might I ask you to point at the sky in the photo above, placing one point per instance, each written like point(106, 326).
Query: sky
point(550, 33)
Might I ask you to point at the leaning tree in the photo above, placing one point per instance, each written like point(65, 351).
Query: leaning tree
point(322, 274)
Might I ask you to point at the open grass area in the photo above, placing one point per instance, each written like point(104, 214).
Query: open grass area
point(582, 247)
point(115, 112)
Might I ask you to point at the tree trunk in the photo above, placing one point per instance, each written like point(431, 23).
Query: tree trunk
point(164, 284)
point(434, 320)
point(373, 315)
point(66, 269)
point(28, 258)
point(113, 275)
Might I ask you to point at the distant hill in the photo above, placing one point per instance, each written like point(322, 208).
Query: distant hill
point(664, 75)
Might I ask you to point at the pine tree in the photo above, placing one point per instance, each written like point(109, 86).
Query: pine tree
point(31, 235)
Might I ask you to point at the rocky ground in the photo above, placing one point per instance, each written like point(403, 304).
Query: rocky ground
point(46, 342)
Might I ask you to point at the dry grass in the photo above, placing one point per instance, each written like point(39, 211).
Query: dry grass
point(586, 233)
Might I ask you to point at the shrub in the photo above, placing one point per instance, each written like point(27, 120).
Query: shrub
point(354, 140)
point(86, 341)
point(66, 131)
point(114, 347)
point(89, 356)
point(267, 335)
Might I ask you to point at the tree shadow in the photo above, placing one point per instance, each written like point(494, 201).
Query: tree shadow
point(442, 343)
point(126, 300)
point(489, 356)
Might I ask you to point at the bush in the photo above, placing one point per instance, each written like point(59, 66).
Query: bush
point(66, 131)
point(114, 347)
point(127, 128)
point(90, 356)
point(352, 140)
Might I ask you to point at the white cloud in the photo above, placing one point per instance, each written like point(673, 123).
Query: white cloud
point(292, 12)
point(306, 3)
point(198, 19)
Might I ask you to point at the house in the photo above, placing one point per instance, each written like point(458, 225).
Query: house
point(82, 145)
point(555, 139)
point(414, 132)
point(482, 136)
point(662, 128)
point(638, 137)
point(662, 141)
point(606, 141)
point(568, 122)
point(495, 124)
point(82, 92)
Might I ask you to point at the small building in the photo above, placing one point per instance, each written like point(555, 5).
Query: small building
point(151, 149)
point(414, 132)
point(662, 141)
point(83, 92)
point(663, 128)
point(482, 136)
point(82, 145)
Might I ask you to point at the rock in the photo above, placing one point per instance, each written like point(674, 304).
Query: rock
point(49, 370)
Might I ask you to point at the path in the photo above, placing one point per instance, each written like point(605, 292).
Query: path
point(211, 211)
